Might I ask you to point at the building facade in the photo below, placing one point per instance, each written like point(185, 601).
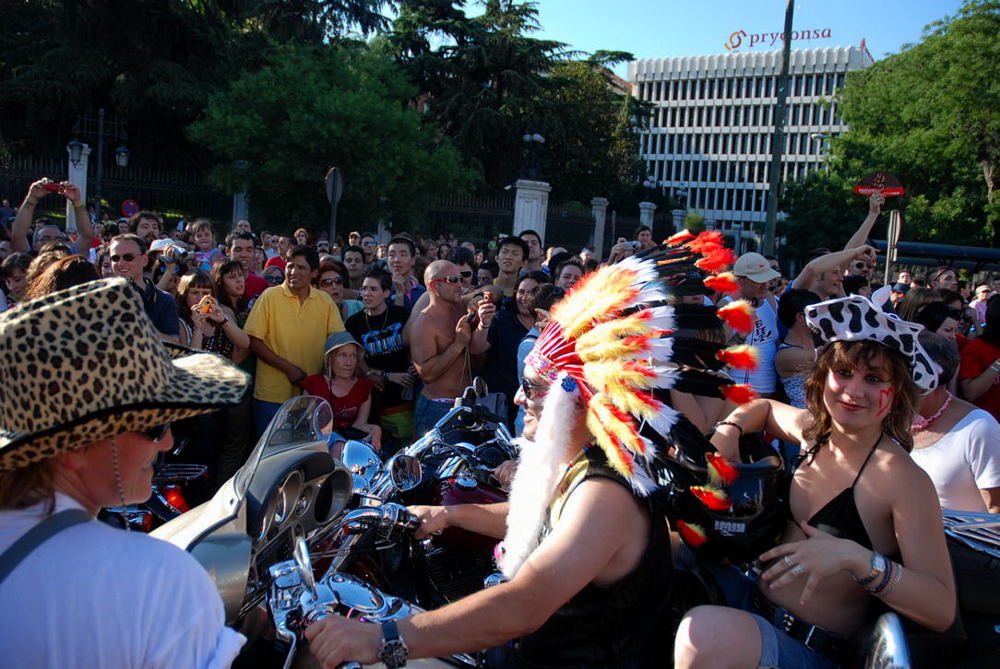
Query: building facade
point(709, 139)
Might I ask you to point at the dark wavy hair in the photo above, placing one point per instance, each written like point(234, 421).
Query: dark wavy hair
point(853, 355)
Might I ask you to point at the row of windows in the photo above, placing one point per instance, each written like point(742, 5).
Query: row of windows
point(749, 174)
point(742, 115)
point(796, 143)
point(738, 87)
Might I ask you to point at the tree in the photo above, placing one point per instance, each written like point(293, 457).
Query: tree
point(932, 114)
point(311, 108)
point(592, 140)
point(485, 83)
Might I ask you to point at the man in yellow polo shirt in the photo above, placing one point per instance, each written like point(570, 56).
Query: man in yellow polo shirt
point(288, 326)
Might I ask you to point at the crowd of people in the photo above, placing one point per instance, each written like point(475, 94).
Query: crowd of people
point(390, 331)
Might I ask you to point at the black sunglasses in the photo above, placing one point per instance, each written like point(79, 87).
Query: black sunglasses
point(127, 257)
point(466, 273)
point(274, 279)
point(156, 433)
point(532, 392)
point(339, 280)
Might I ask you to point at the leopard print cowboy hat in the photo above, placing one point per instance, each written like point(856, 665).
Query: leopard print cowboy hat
point(85, 364)
point(857, 318)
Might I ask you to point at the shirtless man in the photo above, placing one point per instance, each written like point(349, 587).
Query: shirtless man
point(439, 341)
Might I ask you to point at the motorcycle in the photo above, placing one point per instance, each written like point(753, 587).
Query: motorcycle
point(289, 488)
point(457, 458)
point(166, 503)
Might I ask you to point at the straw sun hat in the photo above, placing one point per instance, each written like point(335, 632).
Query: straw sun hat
point(85, 364)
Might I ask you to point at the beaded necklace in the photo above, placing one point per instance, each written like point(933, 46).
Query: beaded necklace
point(921, 423)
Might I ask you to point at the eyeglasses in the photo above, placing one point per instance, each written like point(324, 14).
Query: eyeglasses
point(466, 273)
point(127, 257)
point(156, 433)
point(533, 392)
point(329, 281)
point(274, 279)
point(452, 279)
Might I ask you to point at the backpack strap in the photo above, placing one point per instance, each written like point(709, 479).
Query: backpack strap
point(38, 535)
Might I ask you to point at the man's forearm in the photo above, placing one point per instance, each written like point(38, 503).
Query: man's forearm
point(486, 519)
point(431, 369)
point(862, 234)
point(480, 342)
point(84, 229)
point(19, 229)
point(264, 352)
point(485, 619)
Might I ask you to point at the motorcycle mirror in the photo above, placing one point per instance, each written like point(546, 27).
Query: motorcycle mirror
point(363, 463)
point(301, 555)
point(405, 471)
point(479, 385)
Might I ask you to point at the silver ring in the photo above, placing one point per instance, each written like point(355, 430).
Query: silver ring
point(788, 561)
point(798, 570)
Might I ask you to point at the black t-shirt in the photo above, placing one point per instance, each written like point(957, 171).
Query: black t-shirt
point(382, 338)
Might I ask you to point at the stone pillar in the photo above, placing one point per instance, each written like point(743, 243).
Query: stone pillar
point(76, 174)
point(241, 208)
point(646, 212)
point(599, 209)
point(678, 219)
point(531, 206)
point(384, 233)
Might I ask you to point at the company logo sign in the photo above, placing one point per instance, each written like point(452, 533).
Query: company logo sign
point(740, 38)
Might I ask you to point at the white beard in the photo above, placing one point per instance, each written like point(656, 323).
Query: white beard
point(541, 465)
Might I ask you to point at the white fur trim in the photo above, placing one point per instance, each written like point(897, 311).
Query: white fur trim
point(539, 470)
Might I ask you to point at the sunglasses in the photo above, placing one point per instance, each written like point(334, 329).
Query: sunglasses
point(466, 273)
point(329, 281)
point(156, 433)
point(368, 243)
point(127, 257)
point(533, 392)
point(452, 279)
point(273, 279)
point(861, 265)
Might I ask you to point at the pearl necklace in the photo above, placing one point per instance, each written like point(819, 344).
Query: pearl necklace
point(921, 423)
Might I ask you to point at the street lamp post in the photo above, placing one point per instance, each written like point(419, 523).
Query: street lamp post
point(85, 127)
point(770, 228)
point(533, 142)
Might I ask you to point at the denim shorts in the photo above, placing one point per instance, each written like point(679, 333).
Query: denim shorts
point(777, 649)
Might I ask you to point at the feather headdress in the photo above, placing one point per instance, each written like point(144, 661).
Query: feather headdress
point(613, 334)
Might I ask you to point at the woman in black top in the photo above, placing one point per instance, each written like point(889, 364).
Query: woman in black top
point(855, 498)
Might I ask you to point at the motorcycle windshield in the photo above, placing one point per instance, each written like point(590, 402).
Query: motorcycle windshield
point(302, 420)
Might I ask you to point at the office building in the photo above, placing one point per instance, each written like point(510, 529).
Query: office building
point(709, 139)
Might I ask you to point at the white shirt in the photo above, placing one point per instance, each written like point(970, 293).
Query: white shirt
point(95, 596)
point(765, 337)
point(964, 461)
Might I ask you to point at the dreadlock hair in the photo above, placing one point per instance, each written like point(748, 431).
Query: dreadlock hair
point(852, 355)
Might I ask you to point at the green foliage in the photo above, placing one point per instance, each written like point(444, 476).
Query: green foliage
point(930, 115)
point(694, 221)
point(311, 108)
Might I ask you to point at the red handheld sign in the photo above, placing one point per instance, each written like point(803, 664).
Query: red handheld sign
point(880, 182)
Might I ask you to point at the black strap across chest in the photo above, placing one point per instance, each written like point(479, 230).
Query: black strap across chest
point(38, 535)
point(840, 516)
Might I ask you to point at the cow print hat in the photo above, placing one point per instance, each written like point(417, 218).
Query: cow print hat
point(856, 318)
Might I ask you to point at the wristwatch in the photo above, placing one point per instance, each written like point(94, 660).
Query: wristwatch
point(392, 651)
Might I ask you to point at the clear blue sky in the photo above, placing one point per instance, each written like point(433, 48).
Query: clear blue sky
point(665, 28)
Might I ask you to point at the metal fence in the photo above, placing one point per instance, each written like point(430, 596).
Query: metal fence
point(180, 192)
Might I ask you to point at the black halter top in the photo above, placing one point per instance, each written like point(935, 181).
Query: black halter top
point(840, 516)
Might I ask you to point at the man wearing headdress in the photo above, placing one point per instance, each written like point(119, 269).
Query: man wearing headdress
point(585, 552)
